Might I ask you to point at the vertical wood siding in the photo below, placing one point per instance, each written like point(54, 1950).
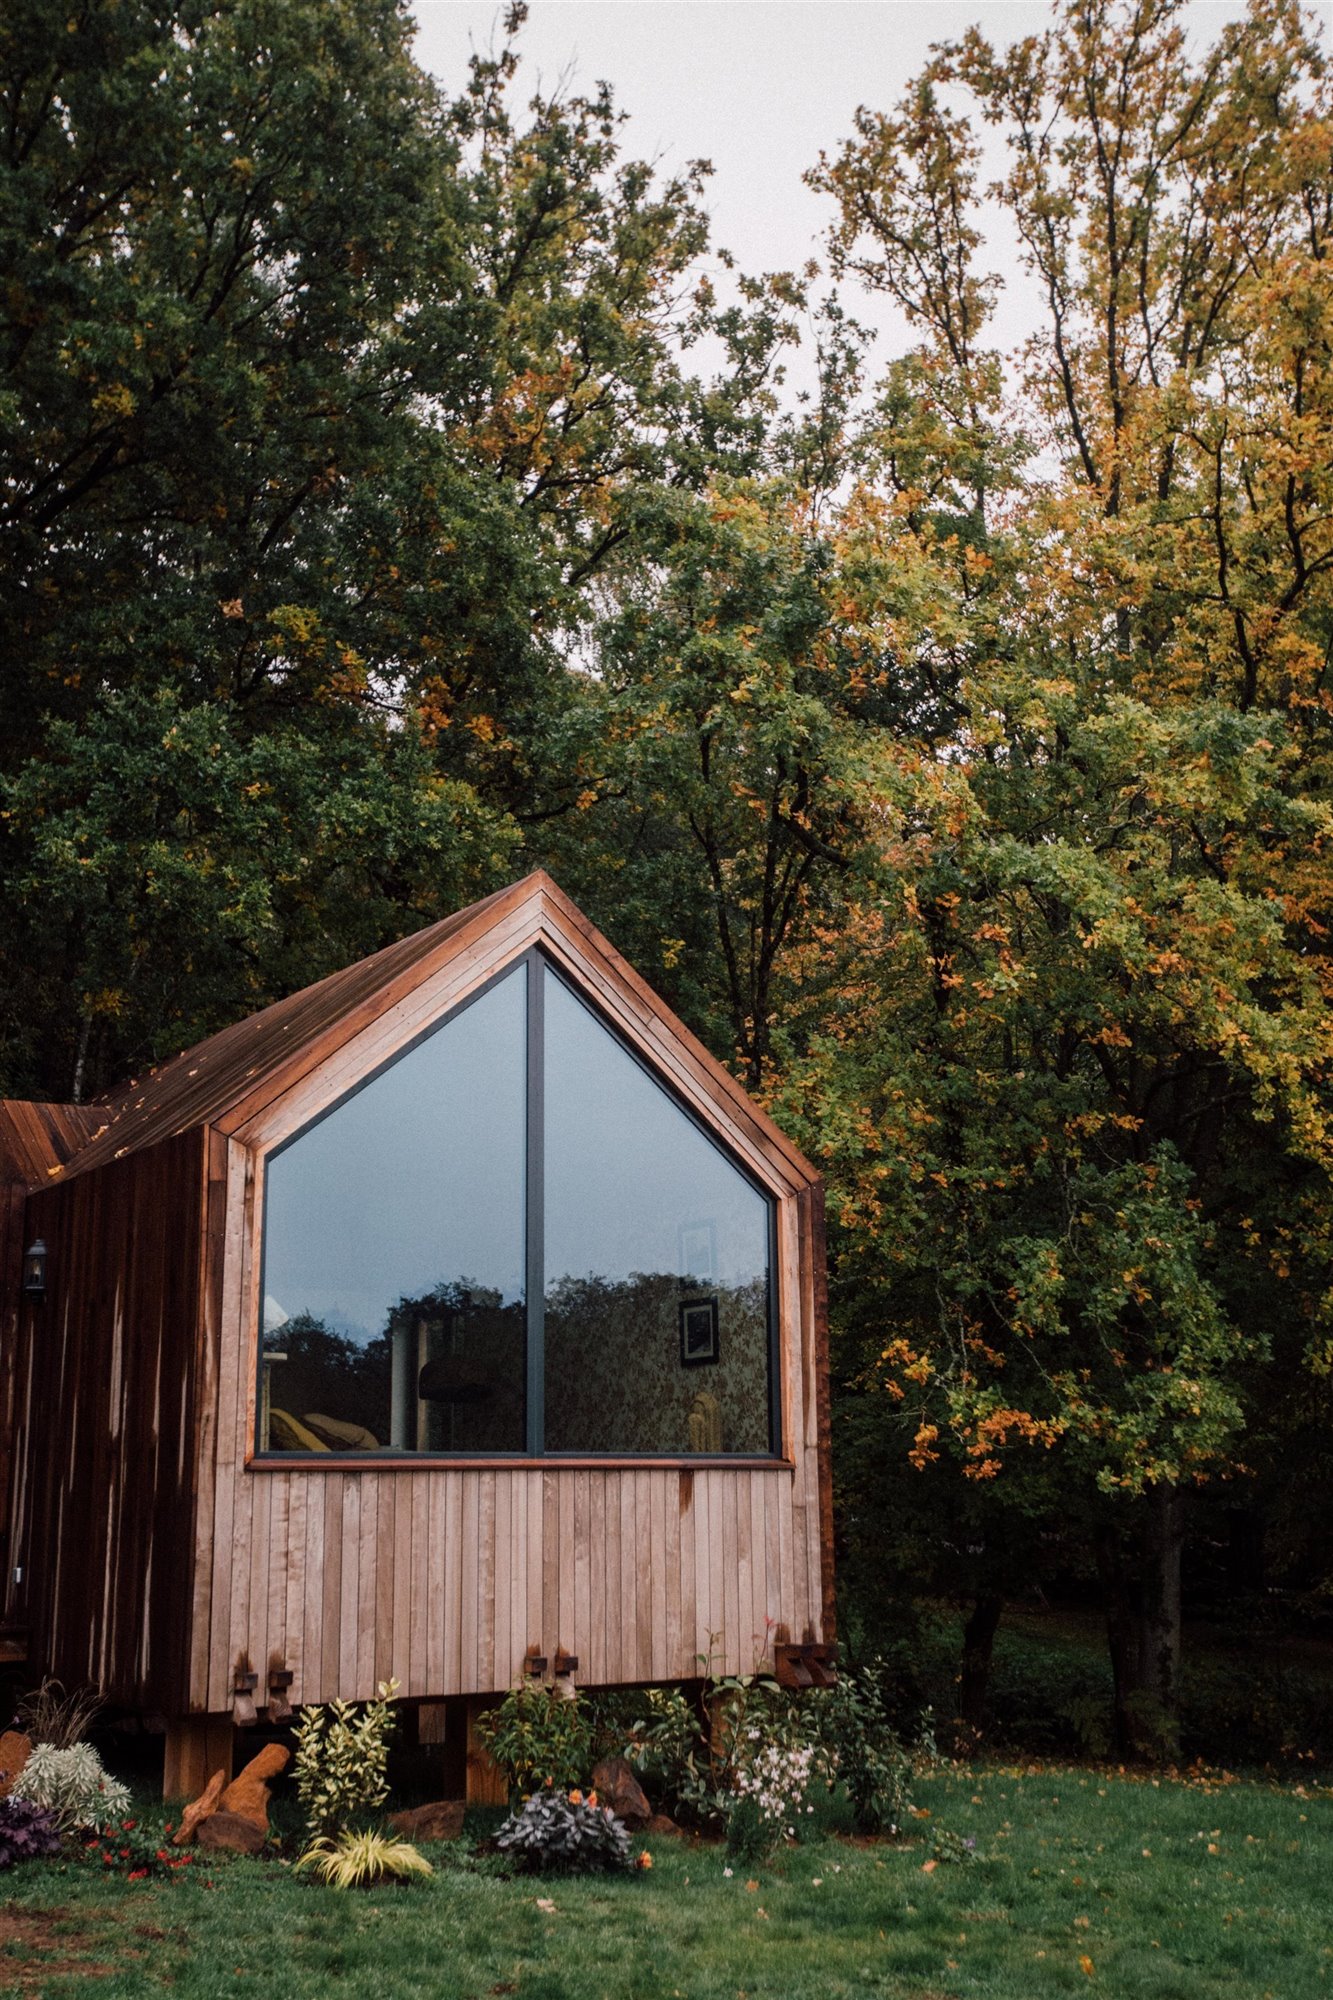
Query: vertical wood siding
point(104, 1449)
point(443, 1576)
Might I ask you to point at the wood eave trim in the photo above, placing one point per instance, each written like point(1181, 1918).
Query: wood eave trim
point(567, 917)
point(373, 1461)
point(245, 1112)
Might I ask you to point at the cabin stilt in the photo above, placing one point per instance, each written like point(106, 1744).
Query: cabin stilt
point(197, 1745)
point(485, 1780)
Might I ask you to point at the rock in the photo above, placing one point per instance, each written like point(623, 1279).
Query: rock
point(15, 1749)
point(441, 1821)
point(616, 1786)
point(231, 1833)
point(247, 1796)
point(203, 1808)
point(660, 1823)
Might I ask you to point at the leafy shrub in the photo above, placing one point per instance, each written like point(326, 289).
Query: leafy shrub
point(952, 1848)
point(342, 1754)
point(357, 1860)
point(561, 1833)
point(668, 1743)
point(539, 1737)
point(27, 1832)
point(866, 1753)
point(72, 1786)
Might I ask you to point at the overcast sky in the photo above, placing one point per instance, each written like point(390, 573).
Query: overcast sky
point(759, 87)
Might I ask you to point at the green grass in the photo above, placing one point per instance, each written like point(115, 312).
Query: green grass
point(1083, 1882)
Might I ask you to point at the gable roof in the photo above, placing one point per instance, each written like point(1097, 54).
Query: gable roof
point(228, 1080)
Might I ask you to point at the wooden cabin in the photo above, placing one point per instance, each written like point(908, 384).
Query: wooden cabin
point(455, 1314)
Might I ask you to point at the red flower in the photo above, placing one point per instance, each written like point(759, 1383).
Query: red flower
point(137, 1874)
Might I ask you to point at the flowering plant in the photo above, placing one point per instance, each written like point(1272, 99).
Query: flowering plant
point(136, 1851)
point(770, 1795)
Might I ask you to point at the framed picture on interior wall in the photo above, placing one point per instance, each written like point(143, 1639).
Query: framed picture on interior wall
point(698, 1332)
point(696, 1243)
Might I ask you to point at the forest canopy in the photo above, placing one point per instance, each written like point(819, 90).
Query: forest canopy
point(388, 505)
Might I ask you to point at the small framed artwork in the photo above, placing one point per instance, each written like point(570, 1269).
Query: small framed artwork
point(698, 1332)
point(697, 1248)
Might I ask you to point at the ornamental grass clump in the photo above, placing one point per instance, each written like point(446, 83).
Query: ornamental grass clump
point(564, 1833)
point(342, 1755)
point(27, 1832)
point(73, 1786)
point(360, 1860)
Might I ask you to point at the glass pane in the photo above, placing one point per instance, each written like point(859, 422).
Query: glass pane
point(656, 1261)
point(394, 1313)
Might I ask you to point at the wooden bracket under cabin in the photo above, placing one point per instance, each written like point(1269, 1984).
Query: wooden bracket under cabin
point(244, 1682)
point(534, 1664)
point(280, 1679)
point(808, 1665)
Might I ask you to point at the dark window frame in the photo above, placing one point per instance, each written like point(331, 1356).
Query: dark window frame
point(538, 963)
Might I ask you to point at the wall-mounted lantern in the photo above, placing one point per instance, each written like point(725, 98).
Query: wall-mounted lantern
point(34, 1270)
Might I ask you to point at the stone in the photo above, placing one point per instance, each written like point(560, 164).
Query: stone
point(247, 1795)
point(204, 1806)
point(231, 1833)
point(15, 1749)
point(616, 1786)
point(660, 1823)
point(441, 1821)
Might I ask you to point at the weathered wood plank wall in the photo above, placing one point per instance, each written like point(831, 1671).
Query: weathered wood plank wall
point(103, 1465)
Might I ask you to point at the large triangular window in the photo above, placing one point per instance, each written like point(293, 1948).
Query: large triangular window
point(515, 1239)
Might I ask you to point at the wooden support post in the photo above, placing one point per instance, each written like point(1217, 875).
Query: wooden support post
point(197, 1745)
point(486, 1784)
point(431, 1721)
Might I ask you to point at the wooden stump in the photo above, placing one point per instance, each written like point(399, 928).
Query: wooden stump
point(197, 1746)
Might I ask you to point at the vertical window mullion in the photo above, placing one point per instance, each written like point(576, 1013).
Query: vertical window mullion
point(535, 1208)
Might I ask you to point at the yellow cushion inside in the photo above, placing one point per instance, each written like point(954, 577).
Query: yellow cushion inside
point(288, 1433)
point(338, 1434)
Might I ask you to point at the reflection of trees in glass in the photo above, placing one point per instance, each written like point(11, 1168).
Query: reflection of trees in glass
point(330, 1373)
point(614, 1379)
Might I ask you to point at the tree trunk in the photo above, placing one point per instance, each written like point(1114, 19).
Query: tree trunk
point(1141, 1589)
point(978, 1644)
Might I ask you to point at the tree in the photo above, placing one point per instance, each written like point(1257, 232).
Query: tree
point(1083, 1033)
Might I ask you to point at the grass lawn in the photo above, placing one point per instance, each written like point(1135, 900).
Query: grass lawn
point(1083, 1882)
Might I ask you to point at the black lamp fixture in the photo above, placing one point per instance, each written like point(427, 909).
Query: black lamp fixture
point(34, 1270)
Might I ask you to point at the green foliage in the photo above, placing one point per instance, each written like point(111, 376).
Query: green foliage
point(539, 1736)
point(73, 1786)
point(342, 1753)
point(139, 1848)
point(353, 1860)
point(865, 1751)
point(953, 1849)
point(27, 1832)
point(555, 1832)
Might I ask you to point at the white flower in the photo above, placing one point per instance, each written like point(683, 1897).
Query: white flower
point(727, 1871)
